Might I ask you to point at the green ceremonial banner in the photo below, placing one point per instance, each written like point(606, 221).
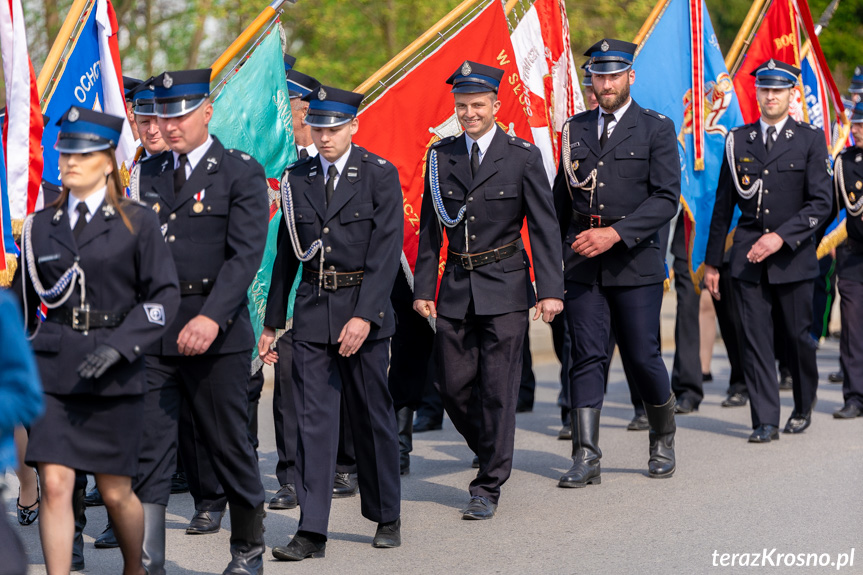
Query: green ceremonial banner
point(252, 113)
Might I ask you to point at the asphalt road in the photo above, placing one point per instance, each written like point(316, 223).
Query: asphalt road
point(801, 495)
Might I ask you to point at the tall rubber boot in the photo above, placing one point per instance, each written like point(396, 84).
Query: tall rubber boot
point(154, 538)
point(662, 428)
point(247, 541)
point(80, 511)
point(585, 468)
point(405, 423)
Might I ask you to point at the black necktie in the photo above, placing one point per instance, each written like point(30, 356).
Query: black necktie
point(769, 142)
point(180, 174)
point(82, 210)
point(304, 153)
point(474, 159)
point(606, 120)
point(332, 172)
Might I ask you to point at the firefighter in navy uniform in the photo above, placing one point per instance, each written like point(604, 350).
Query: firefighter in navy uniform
point(212, 204)
point(479, 187)
point(777, 171)
point(343, 223)
point(90, 349)
point(848, 181)
point(616, 189)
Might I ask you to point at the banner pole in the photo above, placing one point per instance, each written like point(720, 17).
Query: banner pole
point(243, 39)
point(60, 42)
point(744, 35)
point(649, 23)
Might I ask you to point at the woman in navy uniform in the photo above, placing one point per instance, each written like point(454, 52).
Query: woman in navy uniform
point(848, 181)
point(100, 264)
point(777, 171)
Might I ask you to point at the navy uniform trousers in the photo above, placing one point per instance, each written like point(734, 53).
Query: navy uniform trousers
point(686, 378)
point(794, 301)
point(851, 341)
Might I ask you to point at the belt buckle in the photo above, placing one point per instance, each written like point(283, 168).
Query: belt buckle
point(81, 318)
point(466, 262)
point(597, 220)
point(330, 281)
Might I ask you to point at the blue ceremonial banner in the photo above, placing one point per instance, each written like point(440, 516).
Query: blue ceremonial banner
point(663, 82)
point(79, 85)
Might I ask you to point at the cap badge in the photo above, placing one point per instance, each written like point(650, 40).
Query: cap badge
point(466, 70)
point(771, 64)
point(604, 46)
point(73, 114)
point(322, 94)
point(857, 71)
point(167, 81)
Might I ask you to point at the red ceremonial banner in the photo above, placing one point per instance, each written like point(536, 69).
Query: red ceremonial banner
point(418, 110)
point(778, 38)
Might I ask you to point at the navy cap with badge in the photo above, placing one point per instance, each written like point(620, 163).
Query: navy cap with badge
point(330, 107)
point(83, 130)
point(129, 84)
point(609, 56)
point(775, 74)
point(857, 113)
point(587, 81)
point(180, 92)
point(475, 78)
point(142, 96)
point(300, 85)
point(856, 86)
point(289, 62)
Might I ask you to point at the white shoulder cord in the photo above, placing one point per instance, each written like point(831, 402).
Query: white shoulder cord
point(437, 200)
point(756, 186)
point(856, 208)
point(290, 221)
point(135, 183)
point(65, 286)
point(589, 183)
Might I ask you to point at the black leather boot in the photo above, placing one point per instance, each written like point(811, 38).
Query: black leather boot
point(79, 509)
point(247, 541)
point(662, 428)
point(154, 538)
point(405, 423)
point(585, 468)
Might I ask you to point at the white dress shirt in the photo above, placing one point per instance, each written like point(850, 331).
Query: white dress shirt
point(193, 157)
point(484, 142)
point(611, 124)
point(93, 202)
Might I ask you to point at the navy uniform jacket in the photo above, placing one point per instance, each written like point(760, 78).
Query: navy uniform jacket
point(511, 184)
point(361, 229)
point(223, 243)
point(795, 203)
point(849, 255)
point(125, 272)
point(637, 178)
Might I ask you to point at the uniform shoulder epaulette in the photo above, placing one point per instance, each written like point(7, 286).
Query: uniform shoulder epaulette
point(239, 154)
point(161, 155)
point(299, 162)
point(125, 201)
point(447, 140)
point(519, 143)
point(735, 128)
point(373, 159)
point(147, 158)
point(654, 114)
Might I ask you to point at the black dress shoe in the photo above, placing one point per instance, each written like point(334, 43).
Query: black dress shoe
point(786, 383)
point(301, 547)
point(479, 508)
point(523, 406)
point(205, 522)
point(475, 462)
point(685, 406)
point(565, 432)
point(93, 498)
point(423, 423)
point(179, 484)
point(849, 411)
point(735, 400)
point(764, 434)
point(638, 423)
point(345, 485)
point(836, 377)
point(706, 377)
point(106, 540)
point(285, 497)
point(798, 423)
point(388, 535)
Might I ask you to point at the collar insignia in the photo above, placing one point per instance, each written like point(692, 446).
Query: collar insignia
point(859, 158)
point(57, 215)
point(108, 210)
point(788, 133)
point(164, 166)
point(752, 135)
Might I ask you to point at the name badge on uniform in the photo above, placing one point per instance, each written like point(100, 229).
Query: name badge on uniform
point(50, 258)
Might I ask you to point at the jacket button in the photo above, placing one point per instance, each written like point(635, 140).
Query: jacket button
point(171, 239)
point(631, 153)
point(601, 184)
point(328, 249)
point(766, 191)
point(172, 217)
point(449, 192)
point(332, 268)
point(766, 172)
point(501, 192)
point(601, 206)
point(600, 163)
point(381, 314)
point(473, 237)
point(356, 214)
point(637, 240)
point(470, 219)
point(767, 230)
point(791, 165)
point(136, 349)
point(326, 230)
point(766, 211)
point(209, 208)
point(798, 243)
point(230, 322)
point(299, 216)
point(470, 199)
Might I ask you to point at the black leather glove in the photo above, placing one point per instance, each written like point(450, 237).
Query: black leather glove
point(98, 362)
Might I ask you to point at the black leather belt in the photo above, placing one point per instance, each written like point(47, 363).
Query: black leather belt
point(589, 221)
point(333, 280)
point(471, 261)
point(200, 287)
point(85, 319)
